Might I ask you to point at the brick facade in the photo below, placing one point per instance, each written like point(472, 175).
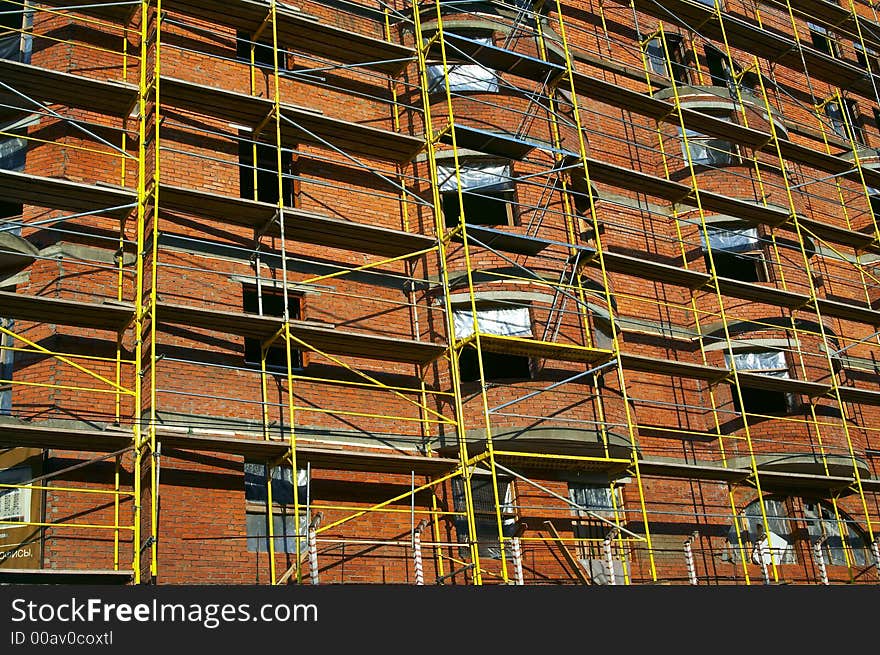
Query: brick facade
point(626, 384)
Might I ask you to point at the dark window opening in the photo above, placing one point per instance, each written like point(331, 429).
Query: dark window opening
point(10, 16)
point(875, 204)
point(10, 209)
point(745, 267)
point(478, 210)
point(263, 55)
point(761, 401)
point(7, 365)
point(496, 366)
point(868, 59)
point(675, 67)
point(487, 193)
point(719, 67)
point(272, 305)
point(822, 40)
point(261, 182)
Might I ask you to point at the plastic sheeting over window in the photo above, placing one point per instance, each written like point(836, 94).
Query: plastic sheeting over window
point(510, 322)
point(823, 525)
point(731, 240)
point(768, 362)
point(282, 484)
point(595, 498)
point(12, 154)
point(465, 77)
point(284, 526)
point(779, 541)
point(7, 358)
point(10, 47)
point(706, 150)
point(478, 177)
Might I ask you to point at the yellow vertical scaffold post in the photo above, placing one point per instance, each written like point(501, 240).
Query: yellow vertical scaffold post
point(716, 289)
point(692, 305)
point(424, 44)
point(609, 300)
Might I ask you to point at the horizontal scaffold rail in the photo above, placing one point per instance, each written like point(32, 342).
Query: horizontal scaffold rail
point(773, 46)
point(326, 338)
point(300, 225)
point(299, 124)
point(109, 315)
point(299, 31)
point(770, 480)
point(69, 89)
point(56, 436)
point(831, 14)
point(65, 195)
point(545, 349)
point(384, 144)
point(643, 104)
point(692, 279)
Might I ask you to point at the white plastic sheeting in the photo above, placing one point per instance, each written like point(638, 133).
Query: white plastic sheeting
point(823, 525)
point(465, 77)
point(769, 362)
point(731, 240)
point(596, 498)
point(706, 150)
point(284, 526)
point(752, 524)
point(479, 177)
point(511, 322)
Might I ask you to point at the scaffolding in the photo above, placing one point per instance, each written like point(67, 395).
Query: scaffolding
point(503, 276)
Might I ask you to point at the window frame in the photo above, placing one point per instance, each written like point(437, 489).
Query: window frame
point(247, 166)
point(674, 67)
point(749, 394)
point(243, 44)
point(709, 144)
point(831, 46)
point(505, 197)
point(846, 112)
point(755, 529)
point(835, 555)
point(17, 474)
point(867, 58)
point(755, 255)
point(710, 52)
point(299, 357)
point(491, 359)
point(485, 519)
point(435, 68)
point(283, 520)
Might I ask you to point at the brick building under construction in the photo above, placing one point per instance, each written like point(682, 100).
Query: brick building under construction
point(471, 292)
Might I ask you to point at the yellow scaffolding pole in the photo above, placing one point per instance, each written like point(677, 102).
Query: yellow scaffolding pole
point(615, 335)
point(695, 190)
point(694, 310)
point(423, 46)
